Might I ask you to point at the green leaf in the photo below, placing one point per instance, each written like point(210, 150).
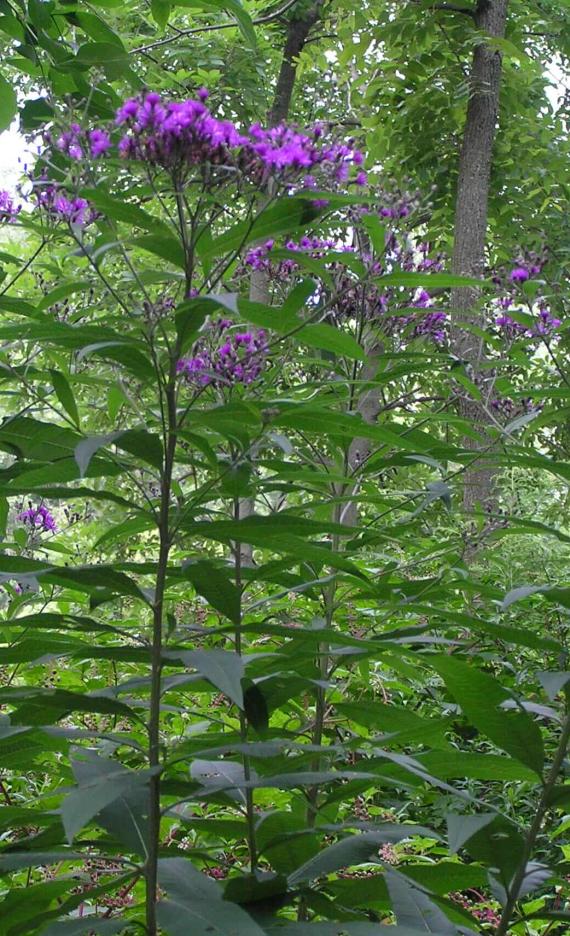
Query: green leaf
point(97, 29)
point(285, 216)
point(163, 246)
point(138, 442)
point(255, 707)
point(28, 438)
point(376, 232)
point(125, 816)
point(143, 445)
point(328, 338)
point(50, 704)
point(62, 292)
point(102, 53)
point(191, 315)
point(96, 792)
point(414, 909)
point(23, 903)
point(223, 669)
point(490, 839)
point(16, 860)
point(160, 10)
point(196, 902)
point(232, 6)
point(354, 850)
point(65, 395)
point(282, 928)
point(120, 210)
point(427, 280)
point(481, 697)
point(84, 926)
point(34, 114)
point(8, 103)
point(86, 449)
point(213, 584)
point(554, 682)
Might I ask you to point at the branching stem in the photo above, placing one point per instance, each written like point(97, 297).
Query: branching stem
point(535, 827)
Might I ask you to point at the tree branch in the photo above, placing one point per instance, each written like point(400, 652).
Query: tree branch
point(231, 24)
point(451, 8)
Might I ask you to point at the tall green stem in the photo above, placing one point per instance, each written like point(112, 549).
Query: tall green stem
point(249, 805)
point(151, 870)
point(534, 830)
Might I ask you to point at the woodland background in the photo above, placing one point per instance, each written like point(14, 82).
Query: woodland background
point(284, 464)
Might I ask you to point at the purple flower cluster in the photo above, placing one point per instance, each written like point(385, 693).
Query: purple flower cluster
point(427, 264)
point(432, 326)
point(8, 210)
point(259, 258)
point(477, 908)
point(398, 211)
point(281, 149)
point(509, 408)
point(422, 299)
point(525, 267)
point(176, 135)
point(39, 518)
point(76, 142)
point(76, 211)
point(231, 357)
point(358, 294)
point(544, 324)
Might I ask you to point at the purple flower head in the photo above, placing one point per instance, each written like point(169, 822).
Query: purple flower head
point(99, 142)
point(8, 210)
point(38, 518)
point(361, 178)
point(432, 326)
point(544, 324)
point(519, 275)
point(240, 359)
point(76, 211)
point(71, 142)
point(127, 112)
point(422, 300)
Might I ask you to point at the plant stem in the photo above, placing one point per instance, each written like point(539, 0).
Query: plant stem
point(156, 660)
point(534, 830)
point(249, 805)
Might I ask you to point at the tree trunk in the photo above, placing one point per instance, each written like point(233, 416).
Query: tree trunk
point(470, 235)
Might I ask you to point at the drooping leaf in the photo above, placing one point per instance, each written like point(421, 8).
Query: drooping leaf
point(196, 901)
point(213, 584)
point(354, 850)
point(481, 697)
point(413, 907)
point(65, 395)
point(8, 103)
point(223, 669)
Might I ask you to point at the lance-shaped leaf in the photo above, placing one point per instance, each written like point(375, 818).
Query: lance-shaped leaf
point(98, 789)
point(215, 585)
point(195, 904)
point(413, 907)
point(223, 669)
point(356, 849)
point(481, 698)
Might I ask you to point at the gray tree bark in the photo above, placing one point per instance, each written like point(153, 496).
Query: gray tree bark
point(470, 234)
